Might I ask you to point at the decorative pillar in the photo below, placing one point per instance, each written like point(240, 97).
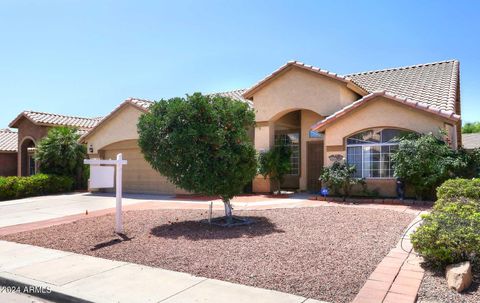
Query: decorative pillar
point(264, 140)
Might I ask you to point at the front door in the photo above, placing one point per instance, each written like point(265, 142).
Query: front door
point(314, 165)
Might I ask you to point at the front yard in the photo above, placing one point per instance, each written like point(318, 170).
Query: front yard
point(434, 288)
point(325, 253)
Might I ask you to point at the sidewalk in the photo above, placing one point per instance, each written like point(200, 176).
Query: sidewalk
point(79, 278)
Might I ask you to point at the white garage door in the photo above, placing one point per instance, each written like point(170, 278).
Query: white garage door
point(138, 176)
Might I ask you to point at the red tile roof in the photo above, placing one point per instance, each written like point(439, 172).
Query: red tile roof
point(447, 114)
point(434, 83)
point(249, 92)
point(8, 140)
point(430, 83)
point(49, 119)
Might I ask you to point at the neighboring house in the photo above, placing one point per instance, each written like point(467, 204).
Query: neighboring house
point(471, 141)
point(8, 152)
point(321, 115)
point(33, 126)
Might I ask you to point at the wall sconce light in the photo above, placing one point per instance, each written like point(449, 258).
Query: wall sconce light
point(90, 148)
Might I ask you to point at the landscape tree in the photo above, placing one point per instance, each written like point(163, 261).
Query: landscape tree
point(60, 153)
point(424, 161)
point(275, 164)
point(201, 144)
point(471, 127)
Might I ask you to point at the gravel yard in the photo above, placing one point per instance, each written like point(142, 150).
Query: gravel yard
point(434, 289)
point(326, 253)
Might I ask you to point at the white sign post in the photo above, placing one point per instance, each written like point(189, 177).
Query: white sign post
point(102, 177)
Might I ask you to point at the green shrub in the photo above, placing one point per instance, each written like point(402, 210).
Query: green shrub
point(201, 144)
point(275, 163)
point(36, 185)
point(451, 232)
point(458, 188)
point(471, 127)
point(426, 161)
point(340, 178)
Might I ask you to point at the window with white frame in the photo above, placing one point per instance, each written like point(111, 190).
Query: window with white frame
point(292, 140)
point(370, 151)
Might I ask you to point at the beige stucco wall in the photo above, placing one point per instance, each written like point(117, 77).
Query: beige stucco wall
point(300, 89)
point(264, 135)
point(378, 113)
point(121, 126)
point(119, 135)
point(308, 118)
point(315, 95)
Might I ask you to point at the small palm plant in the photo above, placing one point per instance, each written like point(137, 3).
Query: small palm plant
point(60, 153)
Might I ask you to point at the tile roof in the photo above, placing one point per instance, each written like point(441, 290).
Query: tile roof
point(141, 104)
point(49, 119)
point(430, 83)
point(358, 87)
point(235, 95)
point(448, 114)
point(8, 140)
point(471, 141)
point(144, 105)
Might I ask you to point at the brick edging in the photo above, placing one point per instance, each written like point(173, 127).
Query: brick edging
point(391, 201)
point(397, 278)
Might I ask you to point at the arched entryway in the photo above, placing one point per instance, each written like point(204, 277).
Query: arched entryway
point(27, 161)
point(293, 128)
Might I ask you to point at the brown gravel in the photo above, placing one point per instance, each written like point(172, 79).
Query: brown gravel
point(326, 253)
point(434, 289)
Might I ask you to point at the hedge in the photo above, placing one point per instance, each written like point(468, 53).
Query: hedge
point(36, 185)
point(451, 232)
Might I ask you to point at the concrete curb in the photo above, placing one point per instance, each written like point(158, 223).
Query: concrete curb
point(53, 295)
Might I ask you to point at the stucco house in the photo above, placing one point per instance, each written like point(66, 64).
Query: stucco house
point(8, 152)
point(321, 115)
point(33, 126)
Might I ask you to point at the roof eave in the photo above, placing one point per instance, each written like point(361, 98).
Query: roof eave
point(446, 115)
point(109, 116)
point(248, 94)
point(14, 123)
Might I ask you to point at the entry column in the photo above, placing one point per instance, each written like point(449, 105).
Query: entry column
point(264, 140)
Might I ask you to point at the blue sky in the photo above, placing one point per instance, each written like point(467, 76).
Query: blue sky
point(85, 57)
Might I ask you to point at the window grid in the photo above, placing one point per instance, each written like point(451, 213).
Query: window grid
point(370, 151)
point(291, 140)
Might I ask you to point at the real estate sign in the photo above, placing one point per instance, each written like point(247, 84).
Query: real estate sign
point(102, 177)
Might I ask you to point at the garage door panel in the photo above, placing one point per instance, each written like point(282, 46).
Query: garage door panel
point(138, 176)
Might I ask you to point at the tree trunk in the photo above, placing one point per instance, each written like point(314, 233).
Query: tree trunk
point(228, 211)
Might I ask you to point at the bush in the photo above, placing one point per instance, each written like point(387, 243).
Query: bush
point(424, 162)
point(201, 144)
point(340, 178)
point(60, 153)
point(36, 185)
point(458, 188)
point(451, 232)
point(275, 164)
point(471, 127)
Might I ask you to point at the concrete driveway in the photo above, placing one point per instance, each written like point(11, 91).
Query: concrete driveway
point(49, 207)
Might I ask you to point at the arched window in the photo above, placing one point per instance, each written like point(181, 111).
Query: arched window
point(370, 151)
